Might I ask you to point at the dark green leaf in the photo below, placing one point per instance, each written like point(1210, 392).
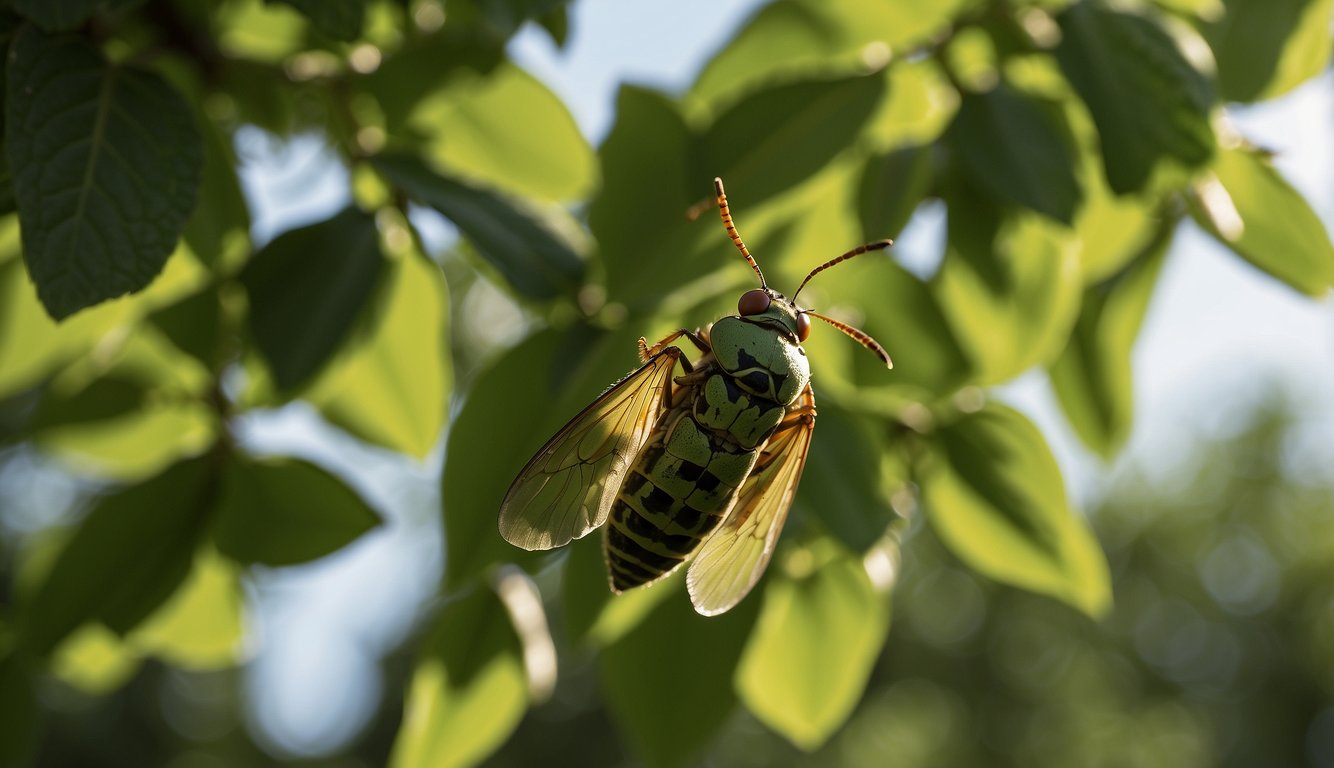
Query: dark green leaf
point(527, 254)
point(593, 614)
point(1147, 101)
point(20, 727)
point(105, 398)
point(106, 162)
point(1018, 150)
point(125, 559)
point(994, 494)
point(218, 231)
point(468, 690)
point(1265, 48)
point(1264, 220)
point(339, 19)
point(841, 485)
point(512, 408)
point(777, 138)
point(1092, 376)
point(286, 511)
point(57, 15)
point(669, 681)
point(821, 628)
point(306, 289)
point(639, 217)
point(892, 185)
point(192, 324)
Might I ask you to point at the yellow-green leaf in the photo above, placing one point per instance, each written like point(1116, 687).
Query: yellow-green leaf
point(994, 494)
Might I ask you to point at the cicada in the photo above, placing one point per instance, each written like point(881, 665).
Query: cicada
point(700, 466)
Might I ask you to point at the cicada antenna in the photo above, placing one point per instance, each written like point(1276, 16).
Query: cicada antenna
point(721, 197)
point(859, 250)
point(861, 337)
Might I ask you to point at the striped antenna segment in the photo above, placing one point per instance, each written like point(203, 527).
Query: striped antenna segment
point(731, 229)
point(860, 336)
point(859, 250)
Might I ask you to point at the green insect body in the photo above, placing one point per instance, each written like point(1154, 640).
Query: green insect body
point(700, 467)
point(688, 474)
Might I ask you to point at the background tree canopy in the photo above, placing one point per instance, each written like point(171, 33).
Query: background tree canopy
point(488, 274)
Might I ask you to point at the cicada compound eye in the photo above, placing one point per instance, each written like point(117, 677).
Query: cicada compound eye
point(753, 302)
point(803, 326)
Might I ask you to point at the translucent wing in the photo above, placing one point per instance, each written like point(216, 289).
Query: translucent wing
point(567, 488)
point(732, 559)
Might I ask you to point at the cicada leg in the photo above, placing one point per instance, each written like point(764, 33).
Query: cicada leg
point(646, 352)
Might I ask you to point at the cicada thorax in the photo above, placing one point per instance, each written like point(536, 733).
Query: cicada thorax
point(686, 478)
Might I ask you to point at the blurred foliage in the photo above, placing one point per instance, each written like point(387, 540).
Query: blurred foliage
point(143, 320)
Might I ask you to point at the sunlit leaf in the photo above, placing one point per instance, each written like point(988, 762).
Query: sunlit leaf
point(106, 162)
point(506, 130)
point(892, 185)
point(1018, 150)
point(1148, 102)
point(392, 385)
point(306, 289)
point(668, 683)
point(95, 660)
point(1255, 212)
point(202, 625)
point(994, 495)
point(468, 690)
point(1265, 48)
point(286, 511)
point(125, 559)
point(1010, 286)
point(1092, 376)
point(532, 258)
point(820, 630)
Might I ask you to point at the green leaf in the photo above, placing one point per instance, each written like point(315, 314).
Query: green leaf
point(1265, 48)
point(1010, 286)
point(57, 15)
point(94, 660)
point(339, 19)
point(841, 484)
point(892, 186)
point(106, 162)
point(593, 614)
point(202, 625)
point(648, 186)
point(1255, 212)
point(528, 254)
point(286, 511)
point(194, 326)
point(1148, 102)
point(106, 398)
point(1018, 150)
point(468, 690)
point(508, 131)
point(777, 138)
point(125, 559)
point(391, 386)
point(20, 728)
point(994, 495)
point(306, 289)
point(1092, 376)
point(820, 632)
point(668, 683)
point(219, 229)
point(512, 408)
